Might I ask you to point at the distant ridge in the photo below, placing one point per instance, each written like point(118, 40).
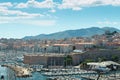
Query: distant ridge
point(86, 32)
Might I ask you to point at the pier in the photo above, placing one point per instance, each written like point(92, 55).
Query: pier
point(19, 71)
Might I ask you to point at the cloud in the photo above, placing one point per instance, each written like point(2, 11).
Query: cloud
point(66, 4)
point(52, 10)
point(11, 15)
point(79, 4)
point(4, 11)
point(76, 8)
point(6, 4)
point(36, 4)
point(21, 5)
point(8, 16)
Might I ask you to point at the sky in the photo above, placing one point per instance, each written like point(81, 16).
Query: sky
point(19, 18)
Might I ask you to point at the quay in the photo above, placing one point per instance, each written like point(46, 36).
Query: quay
point(68, 73)
point(19, 71)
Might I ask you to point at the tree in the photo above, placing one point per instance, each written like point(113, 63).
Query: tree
point(114, 32)
point(84, 64)
point(110, 33)
point(102, 59)
point(115, 58)
point(74, 47)
point(67, 60)
point(107, 32)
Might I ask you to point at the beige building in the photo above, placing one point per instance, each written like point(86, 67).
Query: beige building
point(44, 59)
point(51, 59)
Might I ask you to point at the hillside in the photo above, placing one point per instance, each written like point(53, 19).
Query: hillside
point(86, 32)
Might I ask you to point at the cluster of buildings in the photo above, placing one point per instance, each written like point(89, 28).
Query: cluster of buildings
point(79, 49)
point(54, 52)
point(47, 46)
point(62, 45)
point(107, 41)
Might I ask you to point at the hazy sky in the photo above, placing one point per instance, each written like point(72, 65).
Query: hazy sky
point(19, 18)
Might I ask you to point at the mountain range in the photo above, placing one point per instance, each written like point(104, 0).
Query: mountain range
point(85, 32)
